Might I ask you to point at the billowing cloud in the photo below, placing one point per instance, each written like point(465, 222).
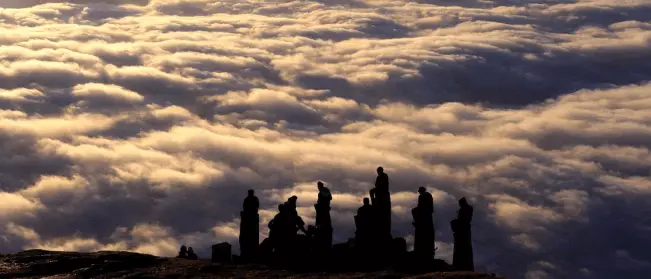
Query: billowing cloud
point(139, 125)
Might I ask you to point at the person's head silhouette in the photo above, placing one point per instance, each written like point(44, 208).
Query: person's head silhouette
point(319, 185)
point(366, 201)
point(380, 170)
point(281, 207)
point(251, 192)
point(463, 202)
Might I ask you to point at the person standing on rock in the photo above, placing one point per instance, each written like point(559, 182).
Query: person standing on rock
point(322, 206)
point(323, 228)
point(249, 226)
point(325, 196)
point(424, 225)
point(251, 202)
point(462, 258)
point(425, 205)
point(381, 201)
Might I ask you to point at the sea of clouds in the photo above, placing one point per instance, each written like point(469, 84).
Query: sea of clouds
point(139, 125)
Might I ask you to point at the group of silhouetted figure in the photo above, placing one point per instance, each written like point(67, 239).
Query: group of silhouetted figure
point(187, 253)
point(373, 243)
point(372, 247)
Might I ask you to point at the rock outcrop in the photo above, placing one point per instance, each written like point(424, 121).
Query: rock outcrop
point(34, 264)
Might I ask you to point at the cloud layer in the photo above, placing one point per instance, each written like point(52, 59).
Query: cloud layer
point(139, 125)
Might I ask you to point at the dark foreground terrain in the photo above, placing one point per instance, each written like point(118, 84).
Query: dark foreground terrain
point(70, 265)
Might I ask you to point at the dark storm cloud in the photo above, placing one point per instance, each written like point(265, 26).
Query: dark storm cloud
point(118, 122)
point(23, 164)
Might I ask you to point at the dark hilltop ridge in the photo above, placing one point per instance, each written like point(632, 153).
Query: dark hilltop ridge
point(291, 250)
point(42, 264)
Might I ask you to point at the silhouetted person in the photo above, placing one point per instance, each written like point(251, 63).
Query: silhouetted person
point(323, 231)
point(425, 200)
point(249, 227)
point(322, 206)
point(277, 226)
point(424, 225)
point(381, 185)
point(251, 202)
point(183, 252)
point(381, 201)
point(191, 254)
point(279, 232)
point(366, 210)
point(296, 221)
point(364, 221)
point(425, 207)
point(290, 205)
point(465, 212)
point(462, 258)
point(282, 230)
point(324, 195)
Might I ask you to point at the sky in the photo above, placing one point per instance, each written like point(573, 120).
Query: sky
point(139, 125)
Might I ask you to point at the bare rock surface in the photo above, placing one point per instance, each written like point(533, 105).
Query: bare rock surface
point(109, 264)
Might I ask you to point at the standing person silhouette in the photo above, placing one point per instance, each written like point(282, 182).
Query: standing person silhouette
point(381, 201)
point(424, 234)
point(251, 202)
point(462, 257)
point(322, 206)
point(325, 196)
point(425, 205)
point(249, 226)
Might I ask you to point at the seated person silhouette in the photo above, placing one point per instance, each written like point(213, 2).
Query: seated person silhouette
point(290, 205)
point(276, 226)
point(366, 210)
point(191, 254)
point(364, 224)
point(183, 253)
point(381, 190)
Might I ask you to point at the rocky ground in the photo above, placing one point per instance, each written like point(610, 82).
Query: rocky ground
point(68, 265)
